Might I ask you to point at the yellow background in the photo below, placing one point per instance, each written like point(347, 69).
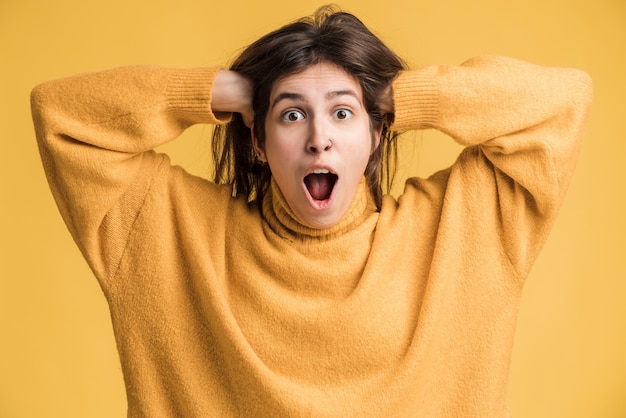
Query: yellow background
point(57, 352)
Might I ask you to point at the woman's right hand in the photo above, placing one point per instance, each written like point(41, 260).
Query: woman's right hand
point(232, 92)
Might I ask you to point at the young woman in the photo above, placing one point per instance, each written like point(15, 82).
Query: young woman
point(292, 286)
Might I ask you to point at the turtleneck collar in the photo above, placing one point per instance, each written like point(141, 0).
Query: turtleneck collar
point(283, 221)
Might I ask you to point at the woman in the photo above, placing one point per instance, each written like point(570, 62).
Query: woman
point(291, 286)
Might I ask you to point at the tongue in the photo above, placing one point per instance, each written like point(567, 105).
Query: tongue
point(319, 185)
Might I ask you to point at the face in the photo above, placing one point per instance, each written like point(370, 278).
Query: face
point(318, 142)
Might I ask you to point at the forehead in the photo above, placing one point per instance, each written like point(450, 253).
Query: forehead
point(321, 78)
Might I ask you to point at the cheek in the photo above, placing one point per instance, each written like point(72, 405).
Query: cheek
point(285, 141)
point(362, 147)
point(279, 149)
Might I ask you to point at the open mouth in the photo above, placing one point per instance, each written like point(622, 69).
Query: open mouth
point(320, 184)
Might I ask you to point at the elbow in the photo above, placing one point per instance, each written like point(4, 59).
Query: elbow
point(41, 101)
point(577, 101)
point(582, 84)
point(583, 99)
point(37, 96)
point(37, 104)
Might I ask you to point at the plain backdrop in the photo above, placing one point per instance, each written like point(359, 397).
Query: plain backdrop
point(57, 350)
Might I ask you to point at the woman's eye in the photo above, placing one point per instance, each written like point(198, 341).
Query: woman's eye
point(293, 116)
point(342, 114)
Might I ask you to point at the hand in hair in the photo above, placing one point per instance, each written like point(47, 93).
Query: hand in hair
point(232, 92)
point(385, 102)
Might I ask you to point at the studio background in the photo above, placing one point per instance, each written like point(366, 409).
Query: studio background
point(57, 352)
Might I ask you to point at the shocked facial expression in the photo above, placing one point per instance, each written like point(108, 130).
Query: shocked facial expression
point(318, 142)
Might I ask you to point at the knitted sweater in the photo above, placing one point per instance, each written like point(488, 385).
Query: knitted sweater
point(223, 310)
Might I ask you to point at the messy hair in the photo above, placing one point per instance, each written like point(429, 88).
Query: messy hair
point(329, 36)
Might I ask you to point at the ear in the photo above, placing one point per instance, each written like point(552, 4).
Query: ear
point(258, 150)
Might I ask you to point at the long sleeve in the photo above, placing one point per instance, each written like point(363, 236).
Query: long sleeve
point(95, 133)
point(522, 124)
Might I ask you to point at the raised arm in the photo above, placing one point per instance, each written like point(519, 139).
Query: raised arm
point(522, 124)
point(96, 132)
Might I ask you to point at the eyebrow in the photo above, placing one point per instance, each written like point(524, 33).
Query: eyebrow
point(288, 96)
point(300, 98)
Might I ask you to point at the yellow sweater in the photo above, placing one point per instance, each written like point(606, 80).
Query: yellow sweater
point(222, 311)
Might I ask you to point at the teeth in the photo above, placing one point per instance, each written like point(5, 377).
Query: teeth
point(320, 171)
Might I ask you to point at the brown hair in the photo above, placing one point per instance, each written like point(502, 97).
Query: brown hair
point(328, 36)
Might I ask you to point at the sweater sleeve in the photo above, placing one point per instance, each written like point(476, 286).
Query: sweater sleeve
point(95, 133)
point(522, 125)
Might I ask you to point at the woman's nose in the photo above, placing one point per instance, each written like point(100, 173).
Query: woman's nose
point(319, 140)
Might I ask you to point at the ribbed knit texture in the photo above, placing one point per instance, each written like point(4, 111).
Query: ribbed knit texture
point(282, 220)
point(220, 310)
